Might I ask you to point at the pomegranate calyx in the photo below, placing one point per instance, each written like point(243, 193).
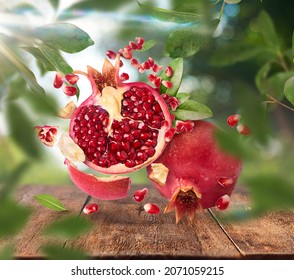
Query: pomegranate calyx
point(104, 188)
point(184, 200)
point(70, 149)
point(159, 173)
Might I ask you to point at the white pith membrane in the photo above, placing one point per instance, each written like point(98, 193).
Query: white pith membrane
point(120, 127)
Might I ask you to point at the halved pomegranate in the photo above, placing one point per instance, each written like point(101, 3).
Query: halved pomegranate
point(121, 127)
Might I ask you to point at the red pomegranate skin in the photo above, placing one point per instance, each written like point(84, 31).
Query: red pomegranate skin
point(196, 162)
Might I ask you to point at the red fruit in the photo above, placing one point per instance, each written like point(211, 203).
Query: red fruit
point(72, 78)
point(58, 81)
point(167, 84)
point(69, 91)
point(223, 202)
point(47, 134)
point(243, 129)
point(194, 173)
point(169, 71)
point(233, 120)
point(139, 195)
point(151, 208)
point(114, 113)
point(90, 208)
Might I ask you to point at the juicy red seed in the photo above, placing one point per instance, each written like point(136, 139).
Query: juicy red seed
point(128, 137)
point(150, 152)
point(151, 208)
point(136, 133)
point(139, 195)
point(126, 146)
point(140, 41)
point(157, 82)
point(223, 202)
point(226, 182)
point(58, 81)
point(121, 155)
point(117, 137)
point(168, 71)
point(145, 65)
point(151, 61)
point(157, 108)
point(147, 106)
point(72, 78)
point(124, 76)
point(92, 144)
point(144, 135)
point(121, 64)
point(243, 129)
point(233, 120)
point(133, 45)
point(113, 146)
point(151, 142)
point(136, 144)
point(90, 208)
point(169, 134)
point(141, 156)
point(69, 91)
point(111, 54)
point(167, 84)
point(152, 78)
point(135, 62)
point(130, 163)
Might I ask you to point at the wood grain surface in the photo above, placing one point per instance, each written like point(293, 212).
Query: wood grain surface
point(121, 231)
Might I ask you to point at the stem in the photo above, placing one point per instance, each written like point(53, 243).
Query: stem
point(222, 10)
point(280, 103)
point(283, 62)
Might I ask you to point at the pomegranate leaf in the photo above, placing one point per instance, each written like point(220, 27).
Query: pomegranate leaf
point(233, 1)
point(22, 131)
point(177, 66)
point(55, 59)
point(50, 202)
point(40, 57)
point(186, 41)
point(59, 252)
point(63, 36)
point(12, 217)
point(192, 110)
point(293, 46)
point(289, 89)
point(261, 76)
point(170, 15)
point(182, 97)
point(8, 52)
point(68, 227)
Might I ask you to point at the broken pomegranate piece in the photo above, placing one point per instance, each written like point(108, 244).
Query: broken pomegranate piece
point(47, 134)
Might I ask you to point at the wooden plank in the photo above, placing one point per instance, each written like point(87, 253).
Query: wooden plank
point(28, 242)
point(271, 235)
point(121, 232)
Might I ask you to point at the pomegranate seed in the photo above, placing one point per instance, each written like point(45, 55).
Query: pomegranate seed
point(139, 195)
point(233, 120)
point(126, 54)
point(169, 134)
point(167, 84)
point(124, 76)
point(152, 78)
point(133, 45)
point(58, 81)
point(169, 71)
point(130, 163)
point(223, 202)
point(69, 91)
point(136, 144)
point(111, 54)
point(121, 64)
point(225, 182)
point(140, 41)
point(145, 65)
point(121, 155)
point(126, 146)
point(72, 78)
point(243, 129)
point(90, 208)
point(141, 69)
point(135, 63)
point(156, 68)
point(151, 208)
point(182, 126)
point(151, 61)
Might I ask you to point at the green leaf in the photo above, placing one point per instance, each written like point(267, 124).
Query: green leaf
point(177, 65)
point(148, 45)
point(7, 252)
point(12, 218)
point(24, 71)
point(182, 97)
point(54, 3)
point(55, 252)
point(56, 59)
point(293, 46)
point(289, 90)
point(235, 52)
point(40, 57)
point(21, 130)
point(271, 192)
point(265, 26)
point(274, 85)
point(68, 227)
point(64, 36)
point(192, 110)
point(261, 76)
point(50, 202)
point(186, 41)
point(232, 1)
point(171, 16)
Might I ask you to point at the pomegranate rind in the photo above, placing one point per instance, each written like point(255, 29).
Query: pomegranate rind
point(110, 188)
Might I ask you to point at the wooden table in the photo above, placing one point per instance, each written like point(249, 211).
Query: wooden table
point(120, 232)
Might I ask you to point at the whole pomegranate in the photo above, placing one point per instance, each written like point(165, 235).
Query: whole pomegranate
point(194, 173)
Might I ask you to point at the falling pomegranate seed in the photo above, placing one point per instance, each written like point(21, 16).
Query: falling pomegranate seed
point(58, 81)
point(151, 208)
point(151, 61)
point(133, 45)
point(139, 195)
point(90, 208)
point(156, 68)
point(135, 63)
point(69, 91)
point(157, 82)
point(223, 202)
point(186, 126)
point(225, 182)
point(243, 129)
point(167, 84)
point(124, 76)
point(233, 120)
point(169, 71)
point(111, 54)
point(169, 134)
point(72, 78)
point(140, 41)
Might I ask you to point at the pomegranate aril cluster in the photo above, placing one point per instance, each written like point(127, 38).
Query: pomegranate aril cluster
point(68, 83)
point(234, 121)
point(140, 104)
